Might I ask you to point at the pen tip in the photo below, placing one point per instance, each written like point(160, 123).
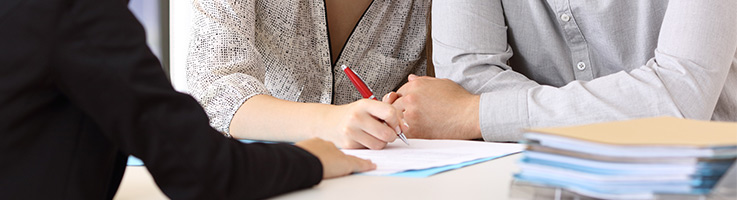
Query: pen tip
point(404, 138)
point(342, 67)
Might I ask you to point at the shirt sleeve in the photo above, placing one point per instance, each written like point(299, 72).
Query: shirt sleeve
point(103, 66)
point(696, 48)
point(224, 69)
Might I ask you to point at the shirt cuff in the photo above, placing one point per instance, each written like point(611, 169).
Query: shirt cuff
point(310, 164)
point(503, 114)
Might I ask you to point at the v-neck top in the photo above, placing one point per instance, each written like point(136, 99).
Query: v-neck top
point(282, 48)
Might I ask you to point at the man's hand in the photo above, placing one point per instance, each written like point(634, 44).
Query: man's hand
point(437, 109)
point(334, 162)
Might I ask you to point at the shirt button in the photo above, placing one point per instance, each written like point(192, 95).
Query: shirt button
point(565, 17)
point(581, 66)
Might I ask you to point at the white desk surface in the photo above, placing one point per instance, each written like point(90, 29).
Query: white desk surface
point(487, 180)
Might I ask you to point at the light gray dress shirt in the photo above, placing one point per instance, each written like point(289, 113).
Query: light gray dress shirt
point(539, 63)
point(243, 48)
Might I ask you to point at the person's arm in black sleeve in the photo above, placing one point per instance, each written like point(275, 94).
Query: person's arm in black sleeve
point(103, 65)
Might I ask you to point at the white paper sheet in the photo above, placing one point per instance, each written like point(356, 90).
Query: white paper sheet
point(423, 154)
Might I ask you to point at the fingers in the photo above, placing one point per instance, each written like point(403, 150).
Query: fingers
point(380, 130)
point(384, 112)
point(399, 104)
point(360, 165)
point(388, 114)
point(367, 140)
point(335, 163)
point(390, 97)
point(365, 130)
point(404, 105)
point(371, 124)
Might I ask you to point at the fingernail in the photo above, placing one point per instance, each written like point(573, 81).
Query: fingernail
point(398, 130)
point(405, 123)
point(385, 96)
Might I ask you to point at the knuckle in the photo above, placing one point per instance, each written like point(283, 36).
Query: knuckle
point(391, 110)
point(344, 133)
point(363, 102)
point(345, 130)
point(410, 99)
point(352, 117)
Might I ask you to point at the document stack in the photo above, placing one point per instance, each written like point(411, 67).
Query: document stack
point(636, 159)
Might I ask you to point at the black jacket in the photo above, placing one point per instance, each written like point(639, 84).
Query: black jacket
point(80, 90)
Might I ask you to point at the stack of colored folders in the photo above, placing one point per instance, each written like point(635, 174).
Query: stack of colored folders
point(635, 159)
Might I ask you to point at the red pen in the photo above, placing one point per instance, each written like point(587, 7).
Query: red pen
point(360, 85)
point(365, 91)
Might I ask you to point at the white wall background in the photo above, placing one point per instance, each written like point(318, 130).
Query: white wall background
point(147, 12)
point(180, 32)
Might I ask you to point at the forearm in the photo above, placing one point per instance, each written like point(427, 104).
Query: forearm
point(470, 43)
point(121, 87)
point(264, 117)
point(224, 68)
point(685, 77)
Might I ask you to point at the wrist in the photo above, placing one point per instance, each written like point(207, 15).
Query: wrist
point(322, 120)
point(472, 128)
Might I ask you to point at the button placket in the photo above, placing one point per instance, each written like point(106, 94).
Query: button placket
point(581, 66)
point(575, 40)
point(565, 17)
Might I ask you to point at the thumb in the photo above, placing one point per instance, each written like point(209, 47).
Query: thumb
point(412, 77)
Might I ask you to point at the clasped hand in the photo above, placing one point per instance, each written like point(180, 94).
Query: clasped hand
point(437, 109)
point(434, 108)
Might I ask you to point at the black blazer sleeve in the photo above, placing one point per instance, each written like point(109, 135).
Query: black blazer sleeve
point(102, 64)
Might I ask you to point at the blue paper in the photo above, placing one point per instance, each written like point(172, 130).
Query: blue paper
point(133, 161)
point(422, 173)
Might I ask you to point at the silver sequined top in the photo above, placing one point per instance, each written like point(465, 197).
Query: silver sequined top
point(281, 48)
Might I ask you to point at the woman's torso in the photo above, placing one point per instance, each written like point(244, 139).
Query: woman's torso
point(292, 37)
